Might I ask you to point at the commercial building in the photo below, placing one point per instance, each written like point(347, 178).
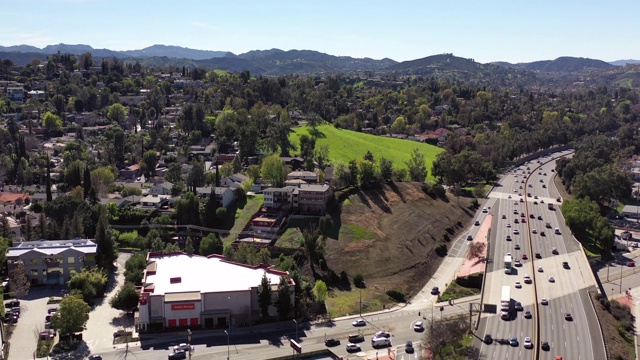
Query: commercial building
point(52, 261)
point(192, 291)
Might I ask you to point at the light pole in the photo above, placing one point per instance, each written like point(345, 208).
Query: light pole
point(226, 332)
point(294, 320)
point(189, 341)
point(620, 278)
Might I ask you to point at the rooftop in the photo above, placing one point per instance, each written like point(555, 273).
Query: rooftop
point(52, 247)
point(190, 270)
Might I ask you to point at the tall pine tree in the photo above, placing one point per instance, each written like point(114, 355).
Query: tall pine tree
point(49, 195)
point(86, 186)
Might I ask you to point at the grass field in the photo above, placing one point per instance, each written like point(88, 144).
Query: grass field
point(243, 215)
point(347, 145)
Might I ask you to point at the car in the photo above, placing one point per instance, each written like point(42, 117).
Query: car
point(508, 237)
point(551, 279)
point(484, 210)
point(515, 203)
point(631, 264)
point(545, 346)
point(544, 174)
point(535, 197)
point(47, 334)
point(527, 314)
point(527, 279)
point(181, 354)
point(383, 334)
point(12, 304)
point(565, 265)
point(541, 180)
point(518, 285)
point(528, 344)
point(544, 301)
point(532, 216)
point(504, 216)
point(534, 231)
point(542, 233)
point(559, 199)
point(535, 202)
point(525, 257)
point(408, 348)
point(477, 223)
point(435, 290)
point(544, 186)
point(521, 200)
point(331, 342)
point(557, 231)
point(351, 347)
point(10, 318)
point(540, 269)
point(515, 211)
point(516, 221)
point(538, 255)
point(509, 197)
point(94, 357)
point(530, 185)
point(418, 326)
point(182, 346)
point(509, 254)
point(517, 247)
point(508, 225)
point(362, 322)
point(553, 170)
point(48, 325)
point(541, 201)
point(517, 263)
point(513, 341)
point(516, 232)
point(529, 195)
point(469, 237)
point(356, 338)
point(523, 220)
point(518, 306)
point(568, 317)
point(521, 214)
point(554, 251)
point(487, 339)
point(548, 225)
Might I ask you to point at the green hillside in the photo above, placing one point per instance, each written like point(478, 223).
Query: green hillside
point(346, 145)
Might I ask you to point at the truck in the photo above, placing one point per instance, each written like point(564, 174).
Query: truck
point(505, 302)
point(508, 261)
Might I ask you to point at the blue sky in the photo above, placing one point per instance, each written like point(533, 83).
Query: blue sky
point(505, 30)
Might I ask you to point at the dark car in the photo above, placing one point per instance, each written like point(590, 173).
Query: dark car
point(565, 265)
point(568, 317)
point(332, 342)
point(95, 357)
point(180, 354)
point(488, 339)
point(538, 255)
point(408, 348)
point(545, 346)
point(435, 291)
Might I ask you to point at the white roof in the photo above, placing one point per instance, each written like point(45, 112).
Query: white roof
point(196, 273)
point(53, 247)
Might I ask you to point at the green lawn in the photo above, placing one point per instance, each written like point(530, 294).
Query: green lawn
point(347, 145)
point(243, 215)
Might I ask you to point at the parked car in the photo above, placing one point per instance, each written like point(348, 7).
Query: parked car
point(47, 334)
point(631, 264)
point(95, 357)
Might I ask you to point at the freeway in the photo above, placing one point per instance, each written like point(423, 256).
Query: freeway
point(567, 293)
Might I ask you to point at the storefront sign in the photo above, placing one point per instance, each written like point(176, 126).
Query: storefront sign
point(178, 307)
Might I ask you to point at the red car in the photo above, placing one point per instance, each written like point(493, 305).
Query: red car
point(524, 220)
point(631, 264)
point(524, 257)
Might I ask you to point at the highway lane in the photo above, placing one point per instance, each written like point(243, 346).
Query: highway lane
point(564, 295)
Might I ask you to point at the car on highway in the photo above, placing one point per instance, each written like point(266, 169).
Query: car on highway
point(518, 285)
point(548, 225)
point(535, 202)
point(545, 346)
point(523, 220)
point(568, 317)
point(534, 231)
point(508, 237)
point(408, 348)
point(551, 279)
point(418, 326)
point(538, 255)
point(332, 342)
point(515, 211)
point(182, 346)
point(518, 306)
point(544, 301)
point(517, 263)
point(544, 186)
point(517, 247)
point(513, 341)
point(351, 347)
point(516, 231)
point(504, 216)
point(565, 265)
point(532, 216)
point(527, 279)
point(542, 233)
point(554, 251)
point(540, 269)
point(525, 257)
point(356, 338)
point(557, 231)
point(477, 223)
point(528, 344)
point(515, 221)
point(487, 339)
point(360, 322)
point(535, 197)
point(508, 225)
point(469, 237)
point(435, 290)
point(527, 314)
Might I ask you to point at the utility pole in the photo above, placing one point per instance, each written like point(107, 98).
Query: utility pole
point(607, 271)
point(360, 302)
point(621, 279)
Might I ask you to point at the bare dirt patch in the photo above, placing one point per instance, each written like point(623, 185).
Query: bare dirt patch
point(407, 224)
point(617, 347)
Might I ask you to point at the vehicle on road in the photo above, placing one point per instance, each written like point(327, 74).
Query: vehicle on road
point(542, 233)
point(94, 357)
point(516, 232)
point(418, 326)
point(527, 279)
point(534, 231)
point(517, 263)
point(435, 290)
point(356, 338)
point(631, 264)
point(528, 344)
point(382, 333)
point(551, 279)
point(182, 346)
point(539, 217)
point(565, 265)
point(505, 303)
point(380, 342)
point(181, 354)
point(525, 257)
point(554, 251)
point(527, 314)
point(518, 285)
point(469, 237)
point(545, 346)
point(332, 342)
point(359, 322)
point(557, 231)
point(408, 348)
point(484, 210)
point(540, 269)
point(508, 237)
point(487, 339)
point(477, 223)
point(548, 225)
point(544, 301)
point(568, 317)
point(518, 306)
point(353, 347)
point(517, 247)
point(513, 341)
point(538, 255)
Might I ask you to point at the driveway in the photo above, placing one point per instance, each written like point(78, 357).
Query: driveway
point(33, 311)
point(103, 319)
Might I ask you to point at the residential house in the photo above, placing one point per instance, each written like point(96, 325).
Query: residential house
point(277, 199)
point(155, 201)
point(312, 199)
point(17, 199)
point(15, 94)
point(14, 228)
point(294, 163)
point(307, 176)
point(224, 195)
point(130, 172)
point(234, 179)
point(52, 261)
point(161, 189)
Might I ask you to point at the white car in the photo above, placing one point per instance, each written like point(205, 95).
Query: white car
point(181, 347)
point(528, 344)
point(518, 285)
point(351, 347)
point(418, 326)
point(484, 210)
point(516, 232)
point(527, 279)
point(534, 231)
point(359, 322)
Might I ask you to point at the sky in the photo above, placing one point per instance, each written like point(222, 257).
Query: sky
point(501, 30)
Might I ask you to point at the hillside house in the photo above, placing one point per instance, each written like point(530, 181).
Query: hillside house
point(308, 177)
point(278, 199)
point(154, 201)
point(161, 189)
point(224, 195)
point(130, 172)
point(311, 199)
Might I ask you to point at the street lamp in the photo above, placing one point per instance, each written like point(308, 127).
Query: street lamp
point(189, 341)
point(294, 320)
point(226, 332)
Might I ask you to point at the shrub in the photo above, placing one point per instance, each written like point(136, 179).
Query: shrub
point(446, 237)
point(396, 296)
point(358, 281)
point(439, 191)
point(474, 204)
point(441, 249)
point(428, 189)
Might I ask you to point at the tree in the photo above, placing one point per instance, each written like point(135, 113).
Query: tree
point(126, 299)
point(366, 172)
point(210, 210)
point(188, 210)
point(149, 162)
point(283, 298)
point(211, 244)
point(101, 179)
point(320, 291)
point(51, 122)
point(264, 297)
point(174, 173)
point(72, 315)
point(399, 125)
point(321, 156)
point(385, 169)
point(324, 226)
point(417, 166)
point(117, 113)
point(196, 176)
point(188, 246)
point(90, 283)
point(87, 182)
point(475, 250)
point(18, 281)
point(272, 170)
point(106, 250)
point(444, 332)
point(134, 268)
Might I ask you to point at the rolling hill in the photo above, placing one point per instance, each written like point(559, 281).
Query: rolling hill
point(565, 64)
point(440, 63)
point(347, 145)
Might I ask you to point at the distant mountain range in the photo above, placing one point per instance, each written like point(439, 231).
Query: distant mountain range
point(275, 62)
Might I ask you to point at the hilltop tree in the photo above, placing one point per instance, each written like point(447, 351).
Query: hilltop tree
point(417, 166)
